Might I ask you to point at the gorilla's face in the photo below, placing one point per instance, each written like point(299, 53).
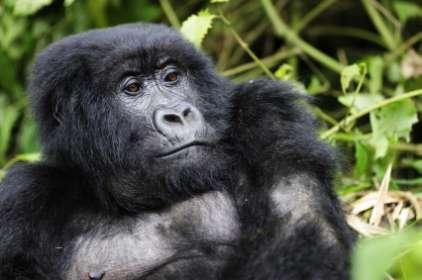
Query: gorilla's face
point(172, 107)
point(142, 108)
point(168, 115)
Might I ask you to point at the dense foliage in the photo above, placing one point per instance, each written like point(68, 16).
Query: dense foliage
point(361, 60)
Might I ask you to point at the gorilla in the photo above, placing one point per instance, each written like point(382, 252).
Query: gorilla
point(156, 167)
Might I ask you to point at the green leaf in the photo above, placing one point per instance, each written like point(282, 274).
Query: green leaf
point(406, 10)
point(68, 3)
point(31, 157)
point(315, 86)
point(8, 117)
point(29, 7)
point(416, 164)
point(392, 123)
point(219, 1)
point(196, 27)
point(28, 137)
point(361, 158)
point(284, 72)
point(368, 264)
point(350, 73)
point(359, 102)
point(375, 70)
point(394, 74)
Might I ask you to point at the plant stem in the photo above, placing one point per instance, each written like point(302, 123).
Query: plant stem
point(406, 147)
point(245, 46)
point(348, 120)
point(327, 30)
point(325, 117)
point(268, 61)
point(403, 47)
point(284, 31)
point(170, 13)
point(316, 11)
point(379, 24)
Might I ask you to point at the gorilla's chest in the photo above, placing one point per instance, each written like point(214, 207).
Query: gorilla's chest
point(191, 236)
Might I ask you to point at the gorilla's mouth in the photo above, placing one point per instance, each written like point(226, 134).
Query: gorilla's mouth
point(183, 148)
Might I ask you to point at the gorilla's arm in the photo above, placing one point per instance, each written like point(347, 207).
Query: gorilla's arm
point(22, 217)
point(301, 233)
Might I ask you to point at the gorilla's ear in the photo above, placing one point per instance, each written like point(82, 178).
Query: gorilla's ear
point(58, 73)
point(57, 109)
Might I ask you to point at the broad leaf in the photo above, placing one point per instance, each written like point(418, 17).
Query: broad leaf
point(352, 72)
point(361, 158)
point(359, 102)
point(284, 72)
point(68, 3)
point(406, 10)
point(8, 117)
point(29, 7)
point(368, 264)
point(196, 27)
point(375, 70)
point(392, 123)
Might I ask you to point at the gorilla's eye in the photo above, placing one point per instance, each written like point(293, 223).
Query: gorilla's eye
point(172, 77)
point(132, 87)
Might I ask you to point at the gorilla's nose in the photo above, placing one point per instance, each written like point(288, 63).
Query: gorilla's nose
point(181, 122)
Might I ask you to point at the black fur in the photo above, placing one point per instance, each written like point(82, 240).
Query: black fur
point(99, 172)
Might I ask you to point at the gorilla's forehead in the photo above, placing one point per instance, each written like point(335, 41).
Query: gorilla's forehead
point(137, 45)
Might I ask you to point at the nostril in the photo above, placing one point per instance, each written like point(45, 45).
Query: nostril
point(171, 118)
point(186, 112)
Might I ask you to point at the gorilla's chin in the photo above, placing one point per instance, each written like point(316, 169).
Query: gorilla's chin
point(198, 168)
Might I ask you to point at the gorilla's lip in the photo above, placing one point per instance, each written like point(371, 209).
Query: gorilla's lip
point(183, 147)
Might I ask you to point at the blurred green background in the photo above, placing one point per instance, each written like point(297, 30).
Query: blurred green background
point(362, 60)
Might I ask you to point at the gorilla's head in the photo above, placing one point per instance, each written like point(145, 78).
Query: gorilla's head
point(135, 105)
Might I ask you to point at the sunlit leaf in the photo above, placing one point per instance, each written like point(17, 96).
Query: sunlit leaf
point(361, 158)
point(284, 72)
point(350, 73)
point(8, 116)
point(29, 7)
point(315, 86)
point(375, 71)
point(67, 3)
point(373, 257)
point(28, 137)
point(219, 1)
point(392, 123)
point(394, 72)
point(406, 10)
point(359, 102)
point(196, 27)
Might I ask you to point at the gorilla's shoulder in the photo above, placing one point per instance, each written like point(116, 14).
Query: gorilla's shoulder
point(27, 181)
point(264, 100)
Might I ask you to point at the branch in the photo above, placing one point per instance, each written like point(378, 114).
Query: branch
point(170, 13)
point(379, 24)
point(284, 31)
point(245, 46)
point(350, 119)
